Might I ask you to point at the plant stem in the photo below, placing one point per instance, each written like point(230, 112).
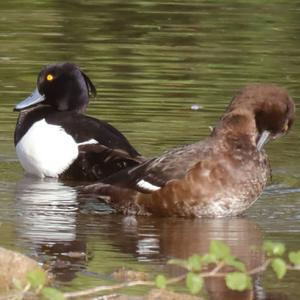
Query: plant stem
point(213, 273)
point(104, 288)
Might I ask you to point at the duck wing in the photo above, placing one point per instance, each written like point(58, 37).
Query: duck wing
point(103, 150)
point(89, 130)
point(154, 173)
point(97, 162)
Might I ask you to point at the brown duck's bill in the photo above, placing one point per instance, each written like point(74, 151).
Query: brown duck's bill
point(263, 139)
point(33, 99)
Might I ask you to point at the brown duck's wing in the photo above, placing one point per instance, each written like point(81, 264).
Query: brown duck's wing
point(97, 162)
point(153, 174)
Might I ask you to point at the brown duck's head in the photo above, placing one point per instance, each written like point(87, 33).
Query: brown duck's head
point(270, 106)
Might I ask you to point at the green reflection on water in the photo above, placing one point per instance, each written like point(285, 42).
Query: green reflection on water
point(150, 61)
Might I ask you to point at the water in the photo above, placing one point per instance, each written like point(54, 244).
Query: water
point(151, 62)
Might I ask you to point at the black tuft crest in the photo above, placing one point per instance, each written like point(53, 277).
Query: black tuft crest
point(90, 86)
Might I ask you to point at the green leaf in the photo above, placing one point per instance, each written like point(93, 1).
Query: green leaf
point(238, 281)
point(279, 267)
point(194, 283)
point(219, 249)
point(234, 262)
point(294, 258)
point(37, 278)
point(194, 263)
point(209, 259)
point(52, 294)
point(161, 281)
point(273, 248)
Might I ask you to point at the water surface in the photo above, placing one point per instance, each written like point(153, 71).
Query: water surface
point(150, 61)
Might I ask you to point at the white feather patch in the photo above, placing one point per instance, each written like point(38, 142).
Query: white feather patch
point(91, 141)
point(46, 150)
point(147, 186)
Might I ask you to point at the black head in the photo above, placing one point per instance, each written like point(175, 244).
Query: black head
point(63, 86)
point(271, 106)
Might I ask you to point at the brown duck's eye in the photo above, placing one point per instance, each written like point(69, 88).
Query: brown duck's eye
point(50, 77)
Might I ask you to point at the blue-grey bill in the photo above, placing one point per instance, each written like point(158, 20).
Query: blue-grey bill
point(33, 99)
point(264, 138)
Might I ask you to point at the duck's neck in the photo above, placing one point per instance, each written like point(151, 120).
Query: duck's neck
point(78, 100)
point(237, 125)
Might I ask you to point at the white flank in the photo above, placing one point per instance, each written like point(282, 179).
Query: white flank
point(46, 150)
point(147, 186)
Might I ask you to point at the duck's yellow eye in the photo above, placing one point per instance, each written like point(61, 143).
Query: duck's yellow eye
point(50, 77)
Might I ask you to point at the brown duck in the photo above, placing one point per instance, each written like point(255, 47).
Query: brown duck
point(218, 177)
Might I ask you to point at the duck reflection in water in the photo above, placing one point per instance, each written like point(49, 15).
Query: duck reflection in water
point(52, 223)
point(47, 224)
point(218, 177)
point(156, 240)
